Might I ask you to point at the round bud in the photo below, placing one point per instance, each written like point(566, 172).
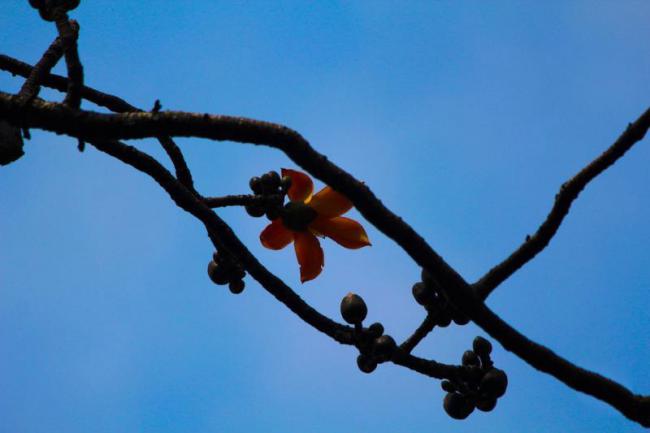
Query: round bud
point(11, 143)
point(272, 213)
point(217, 274)
point(482, 347)
point(448, 386)
point(423, 294)
point(376, 329)
point(470, 358)
point(494, 383)
point(366, 363)
point(384, 348)
point(457, 405)
point(474, 373)
point(237, 272)
point(353, 309)
point(255, 184)
point(458, 317)
point(271, 179)
point(36, 3)
point(236, 286)
point(486, 404)
point(254, 210)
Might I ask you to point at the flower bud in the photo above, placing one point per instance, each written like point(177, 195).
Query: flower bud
point(353, 309)
point(366, 363)
point(384, 348)
point(448, 386)
point(236, 286)
point(470, 358)
point(494, 383)
point(486, 404)
point(376, 330)
point(254, 210)
point(423, 294)
point(458, 406)
point(482, 347)
point(217, 273)
point(255, 184)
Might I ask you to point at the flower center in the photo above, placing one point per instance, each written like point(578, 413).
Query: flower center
point(297, 216)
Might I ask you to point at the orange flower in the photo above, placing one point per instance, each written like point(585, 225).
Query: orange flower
point(307, 216)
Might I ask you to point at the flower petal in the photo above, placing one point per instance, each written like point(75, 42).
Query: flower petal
point(330, 203)
point(301, 185)
point(309, 254)
point(276, 236)
point(344, 231)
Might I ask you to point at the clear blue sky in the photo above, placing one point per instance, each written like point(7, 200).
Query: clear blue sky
point(465, 117)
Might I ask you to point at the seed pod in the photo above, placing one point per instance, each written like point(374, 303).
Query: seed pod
point(366, 363)
point(384, 348)
point(494, 383)
point(353, 309)
point(482, 347)
point(423, 294)
point(457, 405)
point(470, 358)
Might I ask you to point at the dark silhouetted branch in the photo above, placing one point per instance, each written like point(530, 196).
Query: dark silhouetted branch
point(69, 32)
point(563, 200)
point(419, 334)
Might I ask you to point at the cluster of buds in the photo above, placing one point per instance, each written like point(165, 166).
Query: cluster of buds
point(269, 190)
point(428, 293)
point(374, 347)
point(480, 386)
point(223, 269)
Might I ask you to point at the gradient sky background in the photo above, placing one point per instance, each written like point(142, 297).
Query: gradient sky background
point(464, 117)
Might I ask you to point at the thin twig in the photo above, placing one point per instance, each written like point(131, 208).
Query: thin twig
point(102, 99)
point(36, 75)
point(563, 200)
point(69, 32)
point(418, 335)
point(233, 200)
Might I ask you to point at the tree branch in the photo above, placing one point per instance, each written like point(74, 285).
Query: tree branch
point(418, 335)
point(563, 200)
point(69, 32)
point(89, 125)
point(37, 75)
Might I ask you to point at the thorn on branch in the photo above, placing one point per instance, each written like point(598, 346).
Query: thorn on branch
point(157, 106)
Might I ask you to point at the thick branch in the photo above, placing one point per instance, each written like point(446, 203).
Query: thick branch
point(111, 102)
point(563, 200)
point(635, 407)
point(89, 125)
point(225, 237)
point(186, 200)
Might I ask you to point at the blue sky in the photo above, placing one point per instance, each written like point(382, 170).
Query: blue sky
point(464, 117)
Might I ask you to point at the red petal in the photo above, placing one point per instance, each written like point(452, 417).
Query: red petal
point(309, 254)
point(301, 185)
point(330, 203)
point(276, 236)
point(344, 231)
